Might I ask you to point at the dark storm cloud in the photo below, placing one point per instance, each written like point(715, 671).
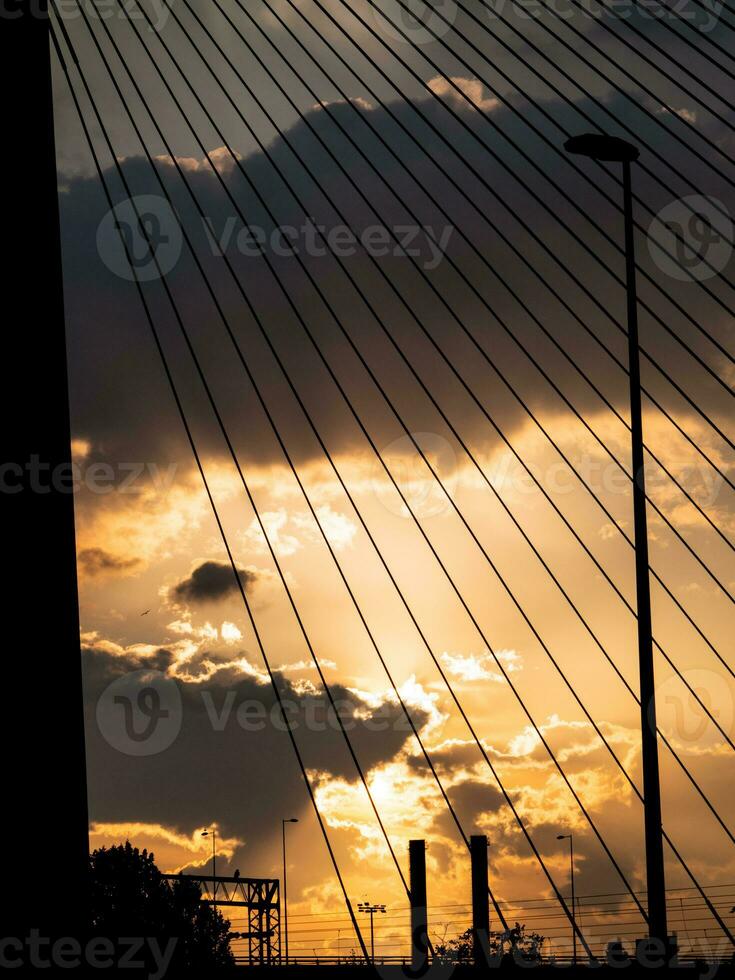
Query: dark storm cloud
point(120, 400)
point(232, 760)
point(470, 799)
point(212, 581)
point(455, 755)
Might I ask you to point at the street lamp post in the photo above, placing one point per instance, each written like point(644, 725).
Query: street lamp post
point(285, 888)
point(371, 910)
point(570, 838)
point(213, 834)
point(609, 148)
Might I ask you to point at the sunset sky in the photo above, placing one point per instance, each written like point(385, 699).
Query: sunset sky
point(157, 593)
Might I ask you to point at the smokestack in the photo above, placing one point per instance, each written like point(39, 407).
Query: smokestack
point(419, 918)
point(480, 907)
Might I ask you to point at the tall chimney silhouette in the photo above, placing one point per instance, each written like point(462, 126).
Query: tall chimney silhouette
point(480, 907)
point(419, 918)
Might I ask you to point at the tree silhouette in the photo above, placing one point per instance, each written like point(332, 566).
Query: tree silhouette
point(514, 944)
point(129, 897)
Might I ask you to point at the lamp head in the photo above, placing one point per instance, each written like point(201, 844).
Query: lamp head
point(599, 146)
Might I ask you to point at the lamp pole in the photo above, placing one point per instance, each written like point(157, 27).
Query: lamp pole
point(285, 887)
point(599, 147)
point(570, 838)
point(371, 909)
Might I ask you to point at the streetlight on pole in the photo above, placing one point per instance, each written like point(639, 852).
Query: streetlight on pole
point(285, 891)
point(371, 909)
point(609, 148)
point(213, 834)
point(570, 838)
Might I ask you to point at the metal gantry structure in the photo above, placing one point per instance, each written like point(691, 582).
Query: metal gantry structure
point(261, 900)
